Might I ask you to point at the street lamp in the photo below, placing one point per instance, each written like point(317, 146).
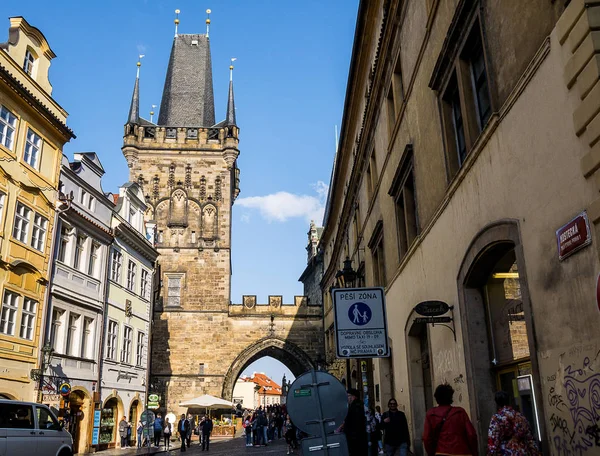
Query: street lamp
point(38, 374)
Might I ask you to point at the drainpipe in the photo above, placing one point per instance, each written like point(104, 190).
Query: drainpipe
point(104, 318)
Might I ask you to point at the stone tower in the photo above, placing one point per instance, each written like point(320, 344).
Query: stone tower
point(186, 165)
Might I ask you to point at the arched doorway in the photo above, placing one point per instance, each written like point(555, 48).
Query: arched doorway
point(109, 422)
point(288, 353)
point(497, 326)
point(133, 418)
point(79, 415)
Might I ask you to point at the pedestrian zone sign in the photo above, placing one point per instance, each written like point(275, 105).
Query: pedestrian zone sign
point(360, 323)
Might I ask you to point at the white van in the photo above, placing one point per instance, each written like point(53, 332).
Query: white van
point(28, 429)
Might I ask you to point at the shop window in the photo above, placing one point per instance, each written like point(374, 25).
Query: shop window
point(404, 194)
point(378, 256)
point(33, 146)
point(8, 125)
point(29, 62)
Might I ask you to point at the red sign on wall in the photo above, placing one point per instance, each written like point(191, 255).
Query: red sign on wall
point(573, 236)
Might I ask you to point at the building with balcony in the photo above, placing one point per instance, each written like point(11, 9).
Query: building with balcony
point(77, 294)
point(467, 174)
point(129, 308)
point(32, 134)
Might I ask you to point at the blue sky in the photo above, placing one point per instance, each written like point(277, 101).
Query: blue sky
point(289, 78)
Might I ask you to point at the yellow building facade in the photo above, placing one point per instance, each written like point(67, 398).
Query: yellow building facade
point(32, 134)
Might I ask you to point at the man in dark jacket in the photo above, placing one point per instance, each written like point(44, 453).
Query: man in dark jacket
point(207, 428)
point(395, 426)
point(183, 427)
point(355, 425)
point(192, 422)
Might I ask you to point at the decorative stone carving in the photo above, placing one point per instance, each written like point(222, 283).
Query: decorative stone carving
point(203, 188)
point(192, 133)
point(178, 208)
point(155, 188)
point(171, 133)
point(218, 195)
point(171, 181)
point(209, 222)
point(249, 301)
point(188, 176)
point(275, 301)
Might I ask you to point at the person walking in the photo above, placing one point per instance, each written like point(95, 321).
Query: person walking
point(395, 427)
point(379, 430)
point(290, 435)
point(183, 428)
point(192, 422)
point(448, 430)
point(123, 432)
point(355, 425)
point(158, 429)
point(264, 421)
point(168, 431)
point(248, 431)
point(206, 431)
point(509, 433)
point(140, 433)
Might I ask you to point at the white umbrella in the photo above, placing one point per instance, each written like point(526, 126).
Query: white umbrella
point(207, 401)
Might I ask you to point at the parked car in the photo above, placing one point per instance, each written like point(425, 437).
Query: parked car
point(27, 429)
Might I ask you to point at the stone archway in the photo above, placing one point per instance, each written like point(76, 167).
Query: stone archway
point(286, 352)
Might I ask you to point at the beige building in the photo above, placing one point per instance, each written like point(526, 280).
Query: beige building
point(466, 174)
point(32, 135)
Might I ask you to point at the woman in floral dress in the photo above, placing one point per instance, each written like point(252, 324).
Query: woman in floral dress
point(509, 432)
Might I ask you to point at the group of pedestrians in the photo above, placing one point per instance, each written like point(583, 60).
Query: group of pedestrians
point(447, 429)
point(186, 427)
point(263, 426)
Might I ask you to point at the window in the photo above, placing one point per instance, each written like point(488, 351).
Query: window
point(465, 101)
point(22, 218)
point(131, 216)
point(72, 333)
point(8, 315)
point(111, 340)
point(56, 335)
point(28, 319)
point(32, 149)
point(377, 254)
point(91, 203)
point(93, 259)
point(29, 62)
point(2, 202)
point(145, 285)
point(403, 192)
point(16, 416)
point(174, 290)
point(201, 369)
point(140, 349)
point(86, 337)
point(83, 197)
point(131, 275)
point(64, 243)
point(8, 124)
point(115, 267)
point(46, 420)
point(126, 350)
point(372, 178)
point(40, 227)
point(79, 248)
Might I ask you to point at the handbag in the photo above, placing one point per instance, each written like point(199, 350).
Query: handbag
point(438, 431)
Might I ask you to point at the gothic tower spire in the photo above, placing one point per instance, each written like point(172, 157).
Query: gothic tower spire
point(134, 109)
point(230, 118)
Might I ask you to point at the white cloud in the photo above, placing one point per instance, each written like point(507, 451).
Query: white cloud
point(245, 218)
point(281, 206)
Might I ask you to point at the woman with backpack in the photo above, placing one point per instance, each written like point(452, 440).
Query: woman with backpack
point(448, 430)
point(167, 431)
point(248, 431)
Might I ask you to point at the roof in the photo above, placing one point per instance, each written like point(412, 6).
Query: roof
point(230, 118)
point(187, 99)
point(267, 386)
point(134, 109)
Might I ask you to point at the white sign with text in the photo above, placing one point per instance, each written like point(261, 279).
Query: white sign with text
point(360, 323)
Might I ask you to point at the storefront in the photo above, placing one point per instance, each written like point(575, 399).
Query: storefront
point(78, 410)
point(133, 418)
point(108, 424)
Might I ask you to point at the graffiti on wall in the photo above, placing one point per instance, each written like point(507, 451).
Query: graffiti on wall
point(573, 401)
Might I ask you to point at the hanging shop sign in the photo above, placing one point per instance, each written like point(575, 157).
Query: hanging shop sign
point(432, 308)
point(433, 320)
point(573, 236)
point(153, 401)
point(64, 389)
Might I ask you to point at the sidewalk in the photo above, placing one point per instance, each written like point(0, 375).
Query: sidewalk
point(152, 450)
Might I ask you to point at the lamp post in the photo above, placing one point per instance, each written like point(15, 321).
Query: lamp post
point(38, 374)
point(345, 278)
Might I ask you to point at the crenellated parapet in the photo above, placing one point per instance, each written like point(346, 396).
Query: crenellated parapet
point(275, 307)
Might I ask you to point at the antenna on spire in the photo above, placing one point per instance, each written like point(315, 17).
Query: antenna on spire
point(233, 59)
point(208, 11)
point(176, 21)
point(139, 64)
point(152, 114)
